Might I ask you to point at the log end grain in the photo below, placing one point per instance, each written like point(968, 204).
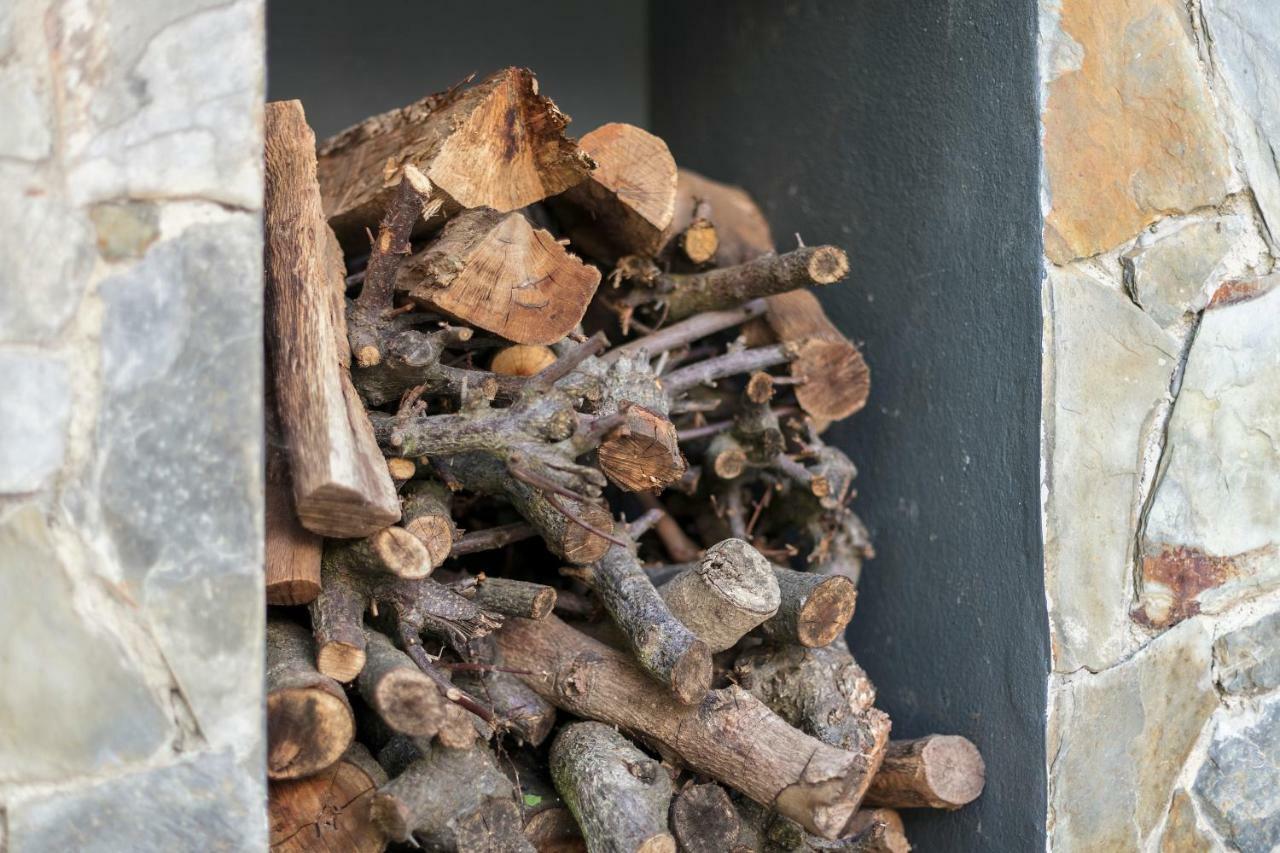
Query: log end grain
point(522, 360)
point(308, 730)
point(700, 241)
point(827, 265)
point(825, 613)
point(329, 810)
point(340, 661)
point(643, 453)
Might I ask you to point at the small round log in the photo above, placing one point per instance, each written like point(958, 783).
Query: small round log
point(730, 592)
point(814, 608)
point(619, 796)
point(309, 721)
point(330, 810)
point(936, 772)
point(726, 287)
point(515, 598)
point(391, 550)
point(425, 514)
point(393, 685)
point(643, 453)
point(700, 241)
point(704, 819)
point(336, 622)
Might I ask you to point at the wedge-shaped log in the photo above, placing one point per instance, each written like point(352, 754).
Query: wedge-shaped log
point(330, 810)
point(341, 486)
point(496, 271)
point(497, 144)
point(626, 205)
point(730, 736)
point(619, 796)
point(309, 721)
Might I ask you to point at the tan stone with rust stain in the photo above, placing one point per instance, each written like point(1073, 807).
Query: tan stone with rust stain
point(1181, 834)
point(1130, 135)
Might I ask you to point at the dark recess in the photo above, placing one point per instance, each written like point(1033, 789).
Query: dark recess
point(348, 60)
point(907, 132)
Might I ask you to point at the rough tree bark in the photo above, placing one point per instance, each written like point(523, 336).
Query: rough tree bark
point(341, 486)
point(309, 721)
point(730, 736)
point(619, 796)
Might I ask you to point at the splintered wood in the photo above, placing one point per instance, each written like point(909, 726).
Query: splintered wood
point(547, 472)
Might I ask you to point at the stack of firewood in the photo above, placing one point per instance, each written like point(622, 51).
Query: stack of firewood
point(546, 468)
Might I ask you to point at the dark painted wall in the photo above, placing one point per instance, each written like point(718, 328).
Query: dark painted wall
point(907, 132)
point(347, 60)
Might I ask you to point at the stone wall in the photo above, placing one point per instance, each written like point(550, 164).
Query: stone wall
point(1161, 422)
point(130, 425)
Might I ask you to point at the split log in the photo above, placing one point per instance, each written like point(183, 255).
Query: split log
point(329, 810)
point(392, 550)
point(341, 487)
point(496, 271)
point(823, 692)
point(452, 799)
point(730, 736)
point(814, 608)
point(731, 591)
point(292, 552)
point(936, 772)
point(404, 697)
point(662, 645)
point(425, 514)
point(643, 453)
point(704, 820)
point(619, 796)
point(309, 721)
point(880, 831)
point(497, 144)
point(522, 360)
point(626, 205)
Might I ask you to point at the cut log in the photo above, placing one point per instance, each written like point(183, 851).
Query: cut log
point(309, 721)
point(730, 736)
point(404, 697)
point(426, 515)
point(822, 692)
point(452, 799)
point(497, 144)
point(836, 379)
point(526, 713)
point(392, 551)
point(627, 203)
point(330, 810)
point(401, 469)
point(337, 617)
point(880, 831)
point(643, 454)
point(548, 823)
point(742, 232)
point(619, 796)
point(522, 360)
point(699, 242)
point(341, 487)
point(663, 646)
point(730, 592)
point(704, 819)
point(936, 772)
point(292, 552)
point(814, 608)
point(496, 271)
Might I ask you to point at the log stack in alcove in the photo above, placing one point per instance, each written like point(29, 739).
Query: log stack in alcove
point(558, 557)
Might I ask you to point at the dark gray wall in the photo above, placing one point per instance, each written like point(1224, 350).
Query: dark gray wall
point(347, 60)
point(907, 132)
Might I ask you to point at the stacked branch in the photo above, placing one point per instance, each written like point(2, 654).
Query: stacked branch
point(475, 432)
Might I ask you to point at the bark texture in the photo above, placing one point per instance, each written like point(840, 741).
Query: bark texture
point(309, 721)
point(731, 591)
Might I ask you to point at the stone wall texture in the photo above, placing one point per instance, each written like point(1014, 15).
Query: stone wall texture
point(1161, 422)
point(130, 425)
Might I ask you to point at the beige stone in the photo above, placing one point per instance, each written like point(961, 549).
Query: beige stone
point(1120, 739)
point(1110, 368)
point(1131, 134)
point(1181, 834)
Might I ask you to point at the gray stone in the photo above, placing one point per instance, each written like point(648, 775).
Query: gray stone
point(1173, 275)
point(206, 803)
point(180, 449)
point(1213, 531)
point(1247, 660)
point(35, 402)
point(26, 91)
point(1118, 740)
point(1244, 45)
point(1109, 370)
point(166, 117)
point(1239, 783)
point(72, 702)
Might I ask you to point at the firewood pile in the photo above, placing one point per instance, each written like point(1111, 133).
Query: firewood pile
point(558, 557)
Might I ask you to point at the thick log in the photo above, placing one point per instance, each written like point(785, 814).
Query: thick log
point(309, 721)
point(341, 486)
point(404, 697)
point(426, 515)
point(936, 772)
point(704, 819)
point(731, 591)
point(392, 550)
point(619, 796)
point(626, 205)
point(663, 646)
point(330, 810)
point(823, 692)
point(497, 144)
point(452, 799)
point(814, 608)
point(643, 453)
point(730, 736)
point(496, 271)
